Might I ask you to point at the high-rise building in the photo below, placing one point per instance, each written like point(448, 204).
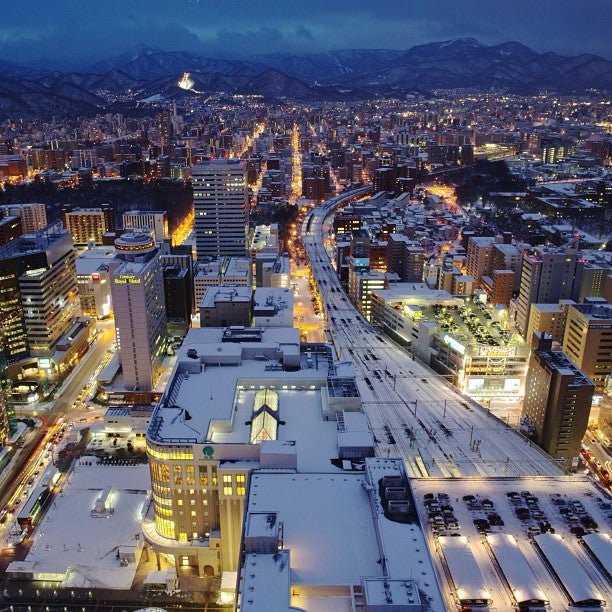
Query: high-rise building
point(557, 401)
point(549, 318)
point(92, 266)
point(362, 282)
point(86, 224)
point(479, 259)
point(547, 276)
point(39, 297)
point(508, 257)
point(33, 216)
point(588, 339)
point(592, 271)
point(143, 220)
point(137, 287)
point(498, 286)
point(178, 257)
point(405, 258)
point(221, 208)
point(10, 228)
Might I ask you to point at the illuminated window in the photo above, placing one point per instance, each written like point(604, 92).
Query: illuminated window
point(227, 479)
point(164, 527)
point(203, 475)
point(228, 491)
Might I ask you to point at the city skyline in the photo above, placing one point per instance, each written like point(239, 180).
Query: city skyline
point(206, 27)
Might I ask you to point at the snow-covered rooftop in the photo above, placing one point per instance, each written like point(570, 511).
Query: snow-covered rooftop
point(69, 540)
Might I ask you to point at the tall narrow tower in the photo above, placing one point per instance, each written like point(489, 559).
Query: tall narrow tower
point(137, 288)
point(221, 208)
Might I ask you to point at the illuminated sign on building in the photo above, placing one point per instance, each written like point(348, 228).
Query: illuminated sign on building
point(456, 346)
point(497, 351)
point(127, 279)
point(44, 362)
point(95, 277)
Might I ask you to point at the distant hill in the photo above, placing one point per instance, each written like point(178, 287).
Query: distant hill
point(352, 74)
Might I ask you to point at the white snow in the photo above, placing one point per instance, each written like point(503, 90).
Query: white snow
point(69, 539)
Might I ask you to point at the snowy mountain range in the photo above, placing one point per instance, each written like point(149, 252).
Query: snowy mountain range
point(351, 74)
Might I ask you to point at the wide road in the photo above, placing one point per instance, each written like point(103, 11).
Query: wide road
point(30, 460)
point(413, 412)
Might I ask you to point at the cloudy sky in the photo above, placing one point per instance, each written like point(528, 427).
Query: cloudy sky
point(79, 32)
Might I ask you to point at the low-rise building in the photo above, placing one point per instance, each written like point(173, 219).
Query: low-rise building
point(239, 400)
point(225, 306)
point(459, 338)
point(273, 306)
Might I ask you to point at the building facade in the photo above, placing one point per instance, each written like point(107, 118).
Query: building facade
point(143, 220)
point(557, 401)
point(86, 224)
point(137, 288)
point(220, 208)
point(38, 292)
point(547, 276)
point(588, 339)
point(238, 400)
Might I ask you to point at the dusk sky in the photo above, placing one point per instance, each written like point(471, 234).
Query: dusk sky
point(87, 30)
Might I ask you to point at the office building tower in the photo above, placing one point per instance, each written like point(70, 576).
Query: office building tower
point(137, 288)
point(178, 292)
point(361, 283)
point(221, 208)
point(147, 220)
point(86, 224)
point(178, 257)
point(39, 297)
point(588, 339)
point(557, 401)
point(547, 276)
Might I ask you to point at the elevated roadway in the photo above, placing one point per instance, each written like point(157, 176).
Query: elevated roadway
point(413, 412)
